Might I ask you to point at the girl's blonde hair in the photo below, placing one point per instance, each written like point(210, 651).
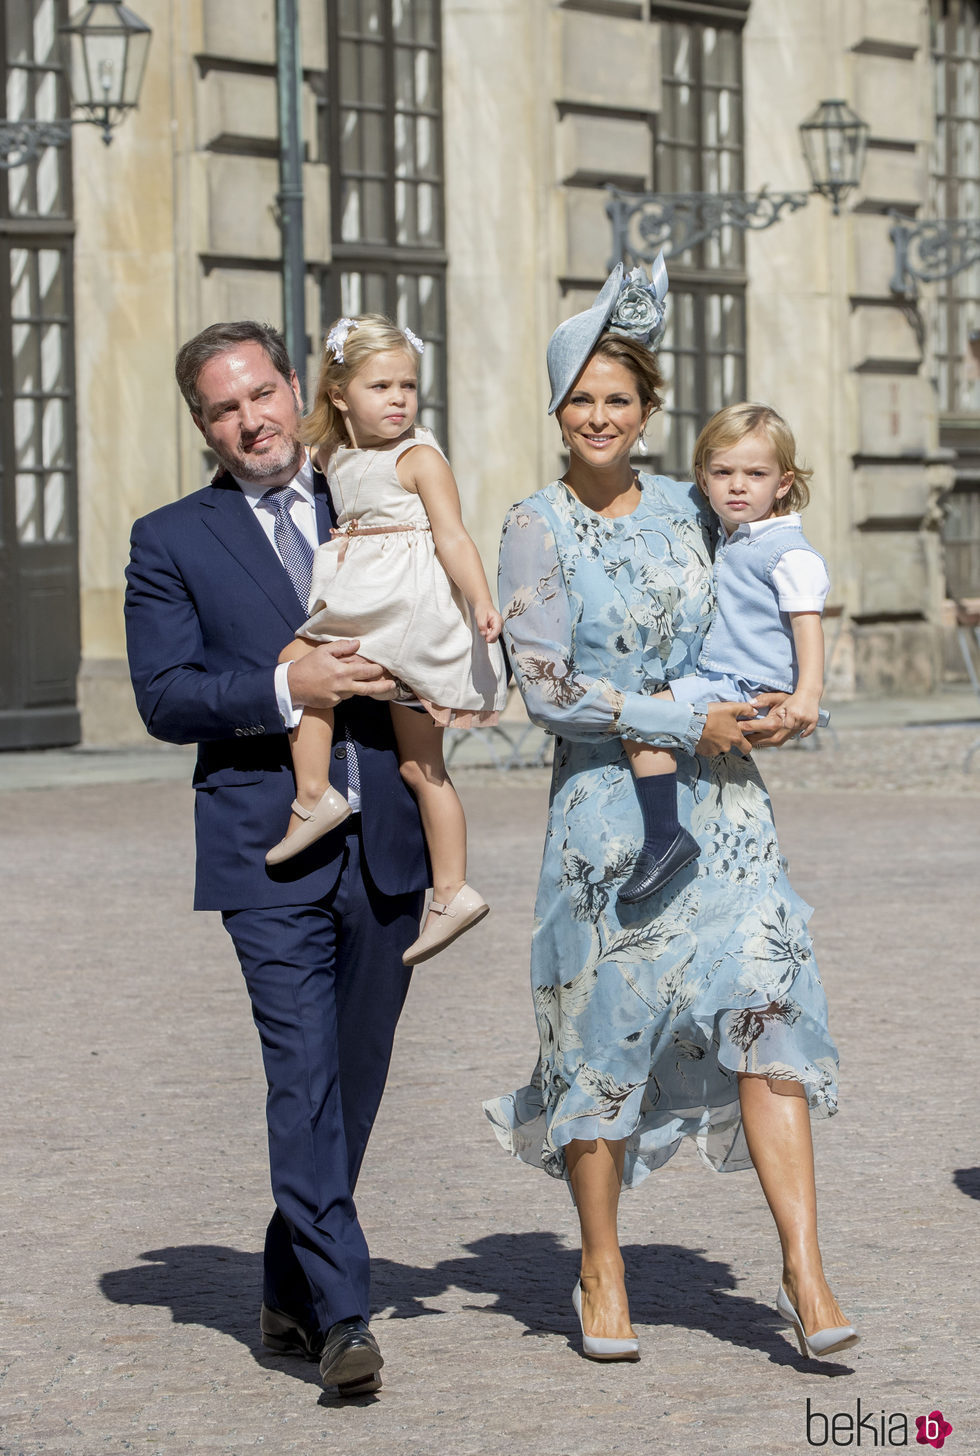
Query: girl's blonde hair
point(736, 421)
point(371, 333)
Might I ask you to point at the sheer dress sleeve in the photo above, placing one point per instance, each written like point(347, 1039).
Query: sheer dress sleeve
point(539, 632)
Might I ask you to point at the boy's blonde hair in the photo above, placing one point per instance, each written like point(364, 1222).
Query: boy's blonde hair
point(736, 421)
point(372, 334)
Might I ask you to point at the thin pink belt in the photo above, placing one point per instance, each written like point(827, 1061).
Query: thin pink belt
point(354, 529)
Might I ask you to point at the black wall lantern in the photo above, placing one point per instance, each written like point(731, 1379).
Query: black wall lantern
point(835, 140)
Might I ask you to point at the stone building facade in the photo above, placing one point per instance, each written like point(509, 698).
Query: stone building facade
point(457, 158)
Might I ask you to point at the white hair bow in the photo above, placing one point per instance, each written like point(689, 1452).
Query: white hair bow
point(337, 337)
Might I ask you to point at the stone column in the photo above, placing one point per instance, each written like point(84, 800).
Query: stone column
point(899, 472)
point(498, 61)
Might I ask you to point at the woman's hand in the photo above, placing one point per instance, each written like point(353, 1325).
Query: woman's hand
point(723, 731)
point(489, 621)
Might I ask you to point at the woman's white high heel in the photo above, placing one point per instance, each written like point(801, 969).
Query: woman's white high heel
point(601, 1349)
point(821, 1342)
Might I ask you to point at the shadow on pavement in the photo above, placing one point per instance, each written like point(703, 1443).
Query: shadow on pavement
point(529, 1277)
point(967, 1181)
point(210, 1285)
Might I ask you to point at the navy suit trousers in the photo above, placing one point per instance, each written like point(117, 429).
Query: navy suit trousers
point(327, 987)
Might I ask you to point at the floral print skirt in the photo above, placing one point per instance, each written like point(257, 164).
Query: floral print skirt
point(647, 1012)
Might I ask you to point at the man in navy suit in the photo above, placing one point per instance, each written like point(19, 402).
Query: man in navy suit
point(210, 603)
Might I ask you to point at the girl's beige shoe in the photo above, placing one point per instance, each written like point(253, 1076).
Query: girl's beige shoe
point(331, 810)
point(464, 909)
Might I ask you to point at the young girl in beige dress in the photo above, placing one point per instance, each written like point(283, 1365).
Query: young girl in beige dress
point(401, 574)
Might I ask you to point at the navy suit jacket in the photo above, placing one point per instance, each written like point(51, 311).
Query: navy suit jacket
point(209, 607)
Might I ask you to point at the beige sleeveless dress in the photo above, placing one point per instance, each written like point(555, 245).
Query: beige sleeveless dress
point(389, 590)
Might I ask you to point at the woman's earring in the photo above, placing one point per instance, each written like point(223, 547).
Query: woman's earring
point(641, 445)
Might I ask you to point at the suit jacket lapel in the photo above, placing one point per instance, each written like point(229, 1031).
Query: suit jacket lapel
point(229, 516)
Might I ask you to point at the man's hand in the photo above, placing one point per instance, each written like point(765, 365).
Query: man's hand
point(725, 729)
point(332, 672)
point(770, 730)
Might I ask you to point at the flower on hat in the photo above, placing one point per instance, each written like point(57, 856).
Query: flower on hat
point(639, 311)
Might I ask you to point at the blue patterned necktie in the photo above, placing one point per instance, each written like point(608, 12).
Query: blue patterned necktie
point(295, 551)
point(353, 768)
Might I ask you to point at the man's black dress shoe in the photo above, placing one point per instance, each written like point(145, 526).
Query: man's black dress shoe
point(370, 1385)
point(350, 1358)
point(287, 1336)
point(650, 873)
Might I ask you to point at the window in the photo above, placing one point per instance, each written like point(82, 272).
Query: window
point(39, 393)
point(955, 193)
point(38, 534)
point(385, 151)
point(700, 148)
point(35, 375)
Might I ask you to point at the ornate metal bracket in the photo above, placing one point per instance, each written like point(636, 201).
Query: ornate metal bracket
point(24, 141)
point(926, 252)
point(645, 222)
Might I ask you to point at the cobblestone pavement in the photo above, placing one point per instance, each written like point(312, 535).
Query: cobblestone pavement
point(135, 1185)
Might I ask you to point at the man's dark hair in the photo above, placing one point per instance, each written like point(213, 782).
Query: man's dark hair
point(218, 339)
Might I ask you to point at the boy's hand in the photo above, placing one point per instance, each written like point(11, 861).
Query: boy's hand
point(800, 714)
point(489, 621)
point(771, 730)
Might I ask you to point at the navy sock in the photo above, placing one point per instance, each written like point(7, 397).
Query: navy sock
point(658, 805)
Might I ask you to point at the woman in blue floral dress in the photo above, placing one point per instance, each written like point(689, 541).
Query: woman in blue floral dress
point(698, 1011)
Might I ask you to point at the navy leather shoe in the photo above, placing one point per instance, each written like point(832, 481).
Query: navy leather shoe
point(286, 1335)
point(369, 1385)
point(350, 1358)
point(650, 873)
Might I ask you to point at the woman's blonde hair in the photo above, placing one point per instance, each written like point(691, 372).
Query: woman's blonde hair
point(736, 421)
point(371, 333)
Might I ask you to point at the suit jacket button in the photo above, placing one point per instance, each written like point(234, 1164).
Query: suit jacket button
point(340, 751)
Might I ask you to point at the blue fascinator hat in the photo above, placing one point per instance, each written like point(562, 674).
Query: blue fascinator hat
point(630, 304)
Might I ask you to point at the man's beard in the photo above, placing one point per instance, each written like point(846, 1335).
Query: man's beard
point(272, 461)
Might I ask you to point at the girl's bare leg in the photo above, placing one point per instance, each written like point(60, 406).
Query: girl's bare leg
point(596, 1172)
point(776, 1120)
point(423, 768)
point(311, 742)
